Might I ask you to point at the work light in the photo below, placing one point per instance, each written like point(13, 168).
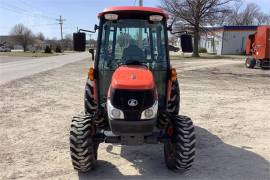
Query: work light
point(111, 17)
point(155, 18)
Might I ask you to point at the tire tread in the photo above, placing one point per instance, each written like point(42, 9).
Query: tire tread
point(82, 147)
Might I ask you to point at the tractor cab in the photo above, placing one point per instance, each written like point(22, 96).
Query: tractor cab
point(132, 36)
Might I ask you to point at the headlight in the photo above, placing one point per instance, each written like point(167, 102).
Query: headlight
point(151, 112)
point(113, 112)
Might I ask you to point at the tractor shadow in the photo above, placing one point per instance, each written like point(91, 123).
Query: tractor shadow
point(214, 160)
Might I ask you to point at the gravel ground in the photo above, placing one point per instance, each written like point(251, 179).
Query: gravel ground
point(228, 104)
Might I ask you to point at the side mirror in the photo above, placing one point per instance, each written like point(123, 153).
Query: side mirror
point(92, 51)
point(96, 27)
point(79, 41)
point(186, 43)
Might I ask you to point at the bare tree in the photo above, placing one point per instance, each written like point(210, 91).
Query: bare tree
point(67, 42)
point(196, 14)
point(263, 19)
point(40, 36)
point(250, 14)
point(22, 35)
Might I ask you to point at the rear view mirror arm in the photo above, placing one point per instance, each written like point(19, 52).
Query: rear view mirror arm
point(95, 29)
point(83, 30)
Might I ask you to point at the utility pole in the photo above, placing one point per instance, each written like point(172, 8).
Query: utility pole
point(60, 20)
point(140, 2)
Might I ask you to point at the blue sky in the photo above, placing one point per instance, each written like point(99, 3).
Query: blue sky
point(40, 15)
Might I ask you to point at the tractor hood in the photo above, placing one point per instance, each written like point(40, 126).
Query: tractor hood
point(132, 77)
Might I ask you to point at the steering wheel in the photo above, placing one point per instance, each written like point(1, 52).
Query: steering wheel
point(132, 57)
point(133, 62)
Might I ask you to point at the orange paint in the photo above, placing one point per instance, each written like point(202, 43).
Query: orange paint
point(173, 74)
point(91, 74)
point(259, 44)
point(132, 77)
point(116, 9)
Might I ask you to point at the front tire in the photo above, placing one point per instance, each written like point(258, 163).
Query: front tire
point(179, 150)
point(250, 63)
point(90, 104)
point(174, 102)
point(83, 148)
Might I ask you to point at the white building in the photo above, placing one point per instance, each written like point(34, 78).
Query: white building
point(226, 39)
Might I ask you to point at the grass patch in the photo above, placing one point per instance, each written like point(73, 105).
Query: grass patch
point(27, 54)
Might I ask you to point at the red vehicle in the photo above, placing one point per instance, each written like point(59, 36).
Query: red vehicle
point(258, 48)
point(132, 93)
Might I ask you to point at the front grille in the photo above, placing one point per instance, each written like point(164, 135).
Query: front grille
point(132, 115)
point(120, 98)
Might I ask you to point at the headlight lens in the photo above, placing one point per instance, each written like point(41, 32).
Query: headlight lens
point(148, 113)
point(113, 112)
point(151, 112)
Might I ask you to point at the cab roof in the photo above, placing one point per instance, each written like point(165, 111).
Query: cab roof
point(141, 9)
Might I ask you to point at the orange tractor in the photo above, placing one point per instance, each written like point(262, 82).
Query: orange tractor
point(132, 93)
point(258, 48)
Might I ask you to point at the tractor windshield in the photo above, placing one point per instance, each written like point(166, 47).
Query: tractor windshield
point(132, 41)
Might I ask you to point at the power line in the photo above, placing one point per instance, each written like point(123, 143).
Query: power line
point(26, 13)
point(37, 25)
point(13, 6)
point(30, 26)
point(20, 10)
point(26, 4)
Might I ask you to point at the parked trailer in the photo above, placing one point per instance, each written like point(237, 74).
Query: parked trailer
point(258, 48)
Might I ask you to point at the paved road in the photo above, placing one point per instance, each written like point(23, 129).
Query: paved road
point(18, 69)
point(8, 59)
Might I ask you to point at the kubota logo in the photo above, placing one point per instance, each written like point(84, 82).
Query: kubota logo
point(132, 102)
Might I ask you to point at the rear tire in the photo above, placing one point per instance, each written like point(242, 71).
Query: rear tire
point(90, 106)
point(179, 150)
point(265, 68)
point(83, 148)
point(265, 64)
point(250, 63)
point(174, 102)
